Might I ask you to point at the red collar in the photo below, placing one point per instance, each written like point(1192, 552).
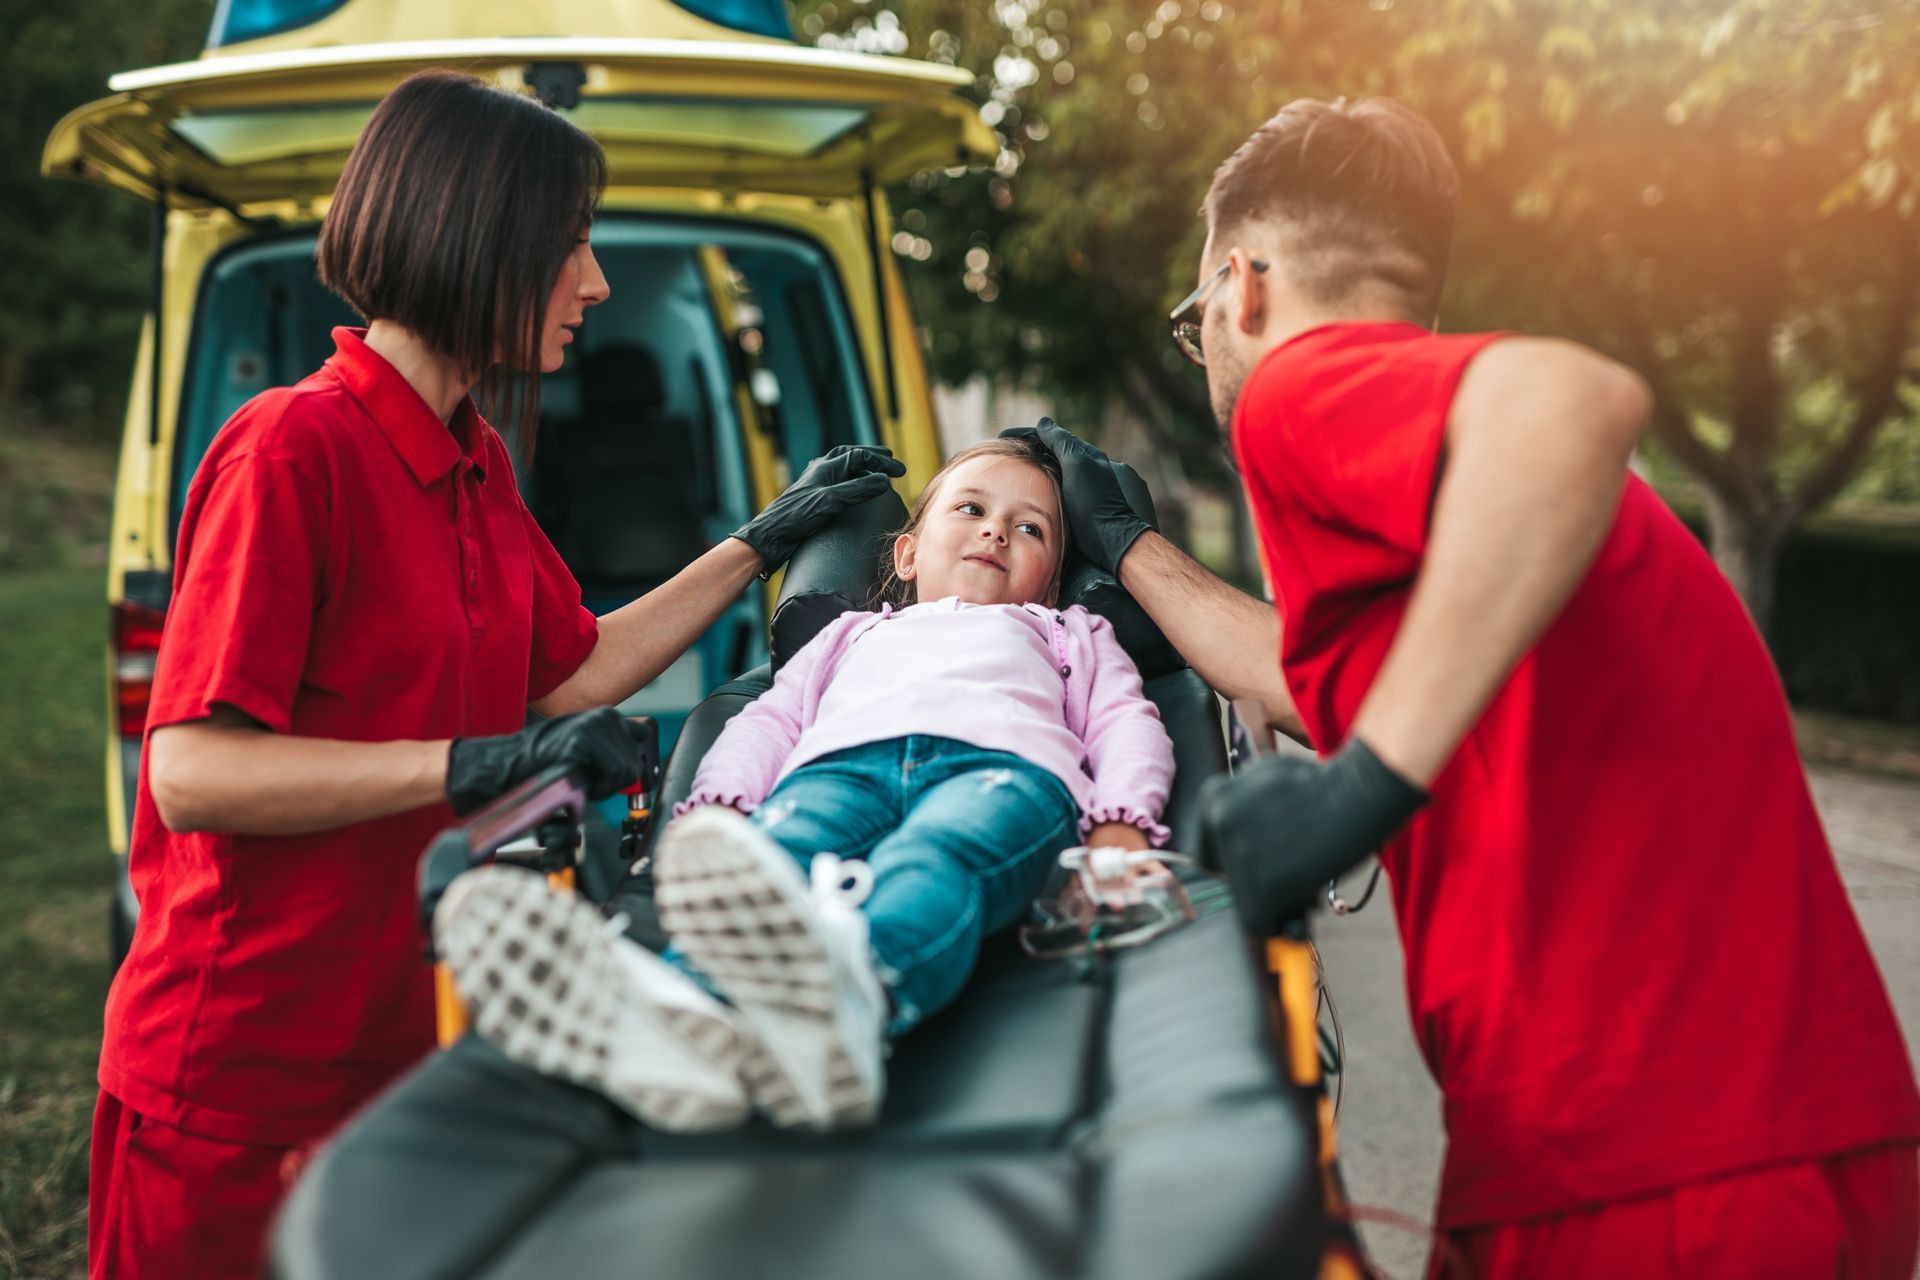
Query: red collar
point(429, 447)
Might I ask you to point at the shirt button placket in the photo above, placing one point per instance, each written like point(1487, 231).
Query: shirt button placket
point(470, 553)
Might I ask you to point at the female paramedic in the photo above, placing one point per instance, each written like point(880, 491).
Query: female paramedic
point(363, 611)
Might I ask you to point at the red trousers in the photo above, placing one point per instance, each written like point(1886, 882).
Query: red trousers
point(1854, 1216)
point(166, 1203)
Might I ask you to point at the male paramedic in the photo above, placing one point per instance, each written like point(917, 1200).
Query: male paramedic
point(1663, 1046)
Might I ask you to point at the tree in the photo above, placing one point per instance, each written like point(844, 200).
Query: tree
point(1721, 194)
point(74, 268)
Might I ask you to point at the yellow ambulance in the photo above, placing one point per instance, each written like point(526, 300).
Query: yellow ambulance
point(757, 317)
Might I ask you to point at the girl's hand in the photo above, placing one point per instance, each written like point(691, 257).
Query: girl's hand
point(1116, 835)
point(1110, 835)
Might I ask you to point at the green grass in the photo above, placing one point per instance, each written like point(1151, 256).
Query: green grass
point(56, 496)
point(55, 876)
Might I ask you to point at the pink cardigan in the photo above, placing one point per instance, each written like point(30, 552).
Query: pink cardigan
point(1125, 775)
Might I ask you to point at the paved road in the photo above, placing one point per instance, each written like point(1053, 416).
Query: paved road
point(1390, 1117)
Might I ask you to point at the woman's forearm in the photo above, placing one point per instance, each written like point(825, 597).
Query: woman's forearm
point(227, 774)
point(640, 640)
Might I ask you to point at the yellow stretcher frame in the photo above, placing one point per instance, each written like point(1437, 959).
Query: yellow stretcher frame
point(1295, 970)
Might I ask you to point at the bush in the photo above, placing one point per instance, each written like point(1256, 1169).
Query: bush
point(1846, 622)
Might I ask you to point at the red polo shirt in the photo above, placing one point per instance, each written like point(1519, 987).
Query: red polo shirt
point(1630, 961)
point(348, 567)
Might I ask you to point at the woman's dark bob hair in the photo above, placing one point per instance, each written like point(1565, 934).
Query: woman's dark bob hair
point(452, 219)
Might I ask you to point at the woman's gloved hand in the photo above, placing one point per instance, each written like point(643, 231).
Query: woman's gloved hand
point(840, 478)
point(1104, 523)
point(599, 744)
point(1282, 828)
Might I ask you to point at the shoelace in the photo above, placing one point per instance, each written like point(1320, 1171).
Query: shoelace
point(840, 885)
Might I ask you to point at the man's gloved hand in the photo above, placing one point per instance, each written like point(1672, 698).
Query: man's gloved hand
point(599, 744)
point(1283, 827)
point(1104, 523)
point(842, 477)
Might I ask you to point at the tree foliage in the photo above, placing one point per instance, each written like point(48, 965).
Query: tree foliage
point(1720, 193)
point(74, 270)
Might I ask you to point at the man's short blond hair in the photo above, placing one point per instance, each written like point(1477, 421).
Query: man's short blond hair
point(1361, 193)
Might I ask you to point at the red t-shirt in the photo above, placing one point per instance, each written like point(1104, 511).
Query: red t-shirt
point(1630, 961)
point(348, 567)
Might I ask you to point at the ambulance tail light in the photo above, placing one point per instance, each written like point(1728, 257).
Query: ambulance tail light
point(136, 644)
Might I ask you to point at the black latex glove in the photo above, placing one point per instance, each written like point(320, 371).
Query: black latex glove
point(1283, 827)
point(842, 477)
point(1104, 523)
point(599, 745)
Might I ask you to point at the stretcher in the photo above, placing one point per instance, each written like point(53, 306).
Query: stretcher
point(1155, 1112)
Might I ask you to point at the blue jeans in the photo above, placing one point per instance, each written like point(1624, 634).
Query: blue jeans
point(960, 840)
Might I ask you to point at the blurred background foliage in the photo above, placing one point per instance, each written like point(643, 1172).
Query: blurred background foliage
point(1720, 192)
point(74, 268)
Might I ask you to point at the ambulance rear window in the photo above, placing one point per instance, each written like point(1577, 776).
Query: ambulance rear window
point(759, 17)
point(235, 21)
point(654, 361)
point(238, 20)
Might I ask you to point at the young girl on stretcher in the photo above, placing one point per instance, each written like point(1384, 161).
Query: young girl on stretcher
point(901, 792)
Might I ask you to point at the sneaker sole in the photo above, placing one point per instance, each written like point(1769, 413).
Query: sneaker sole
point(738, 906)
point(539, 971)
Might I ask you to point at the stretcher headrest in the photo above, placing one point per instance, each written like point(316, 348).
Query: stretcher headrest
point(837, 569)
point(842, 566)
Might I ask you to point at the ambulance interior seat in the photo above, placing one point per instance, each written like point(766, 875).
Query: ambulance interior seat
point(1120, 1118)
point(626, 441)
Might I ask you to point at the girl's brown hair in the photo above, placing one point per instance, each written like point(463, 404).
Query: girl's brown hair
point(901, 592)
point(453, 217)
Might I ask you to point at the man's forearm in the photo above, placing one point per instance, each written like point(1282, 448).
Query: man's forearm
point(1232, 639)
point(641, 639)
point(1530, 491)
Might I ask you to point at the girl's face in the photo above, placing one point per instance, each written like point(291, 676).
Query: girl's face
point(991, 535)
point(580, 285)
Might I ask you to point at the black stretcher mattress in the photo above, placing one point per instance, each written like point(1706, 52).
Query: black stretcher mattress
point(1127, 1121)
point(1129, 1118)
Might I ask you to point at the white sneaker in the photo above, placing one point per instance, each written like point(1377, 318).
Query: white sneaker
point(556, 987)
point(791, 956)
